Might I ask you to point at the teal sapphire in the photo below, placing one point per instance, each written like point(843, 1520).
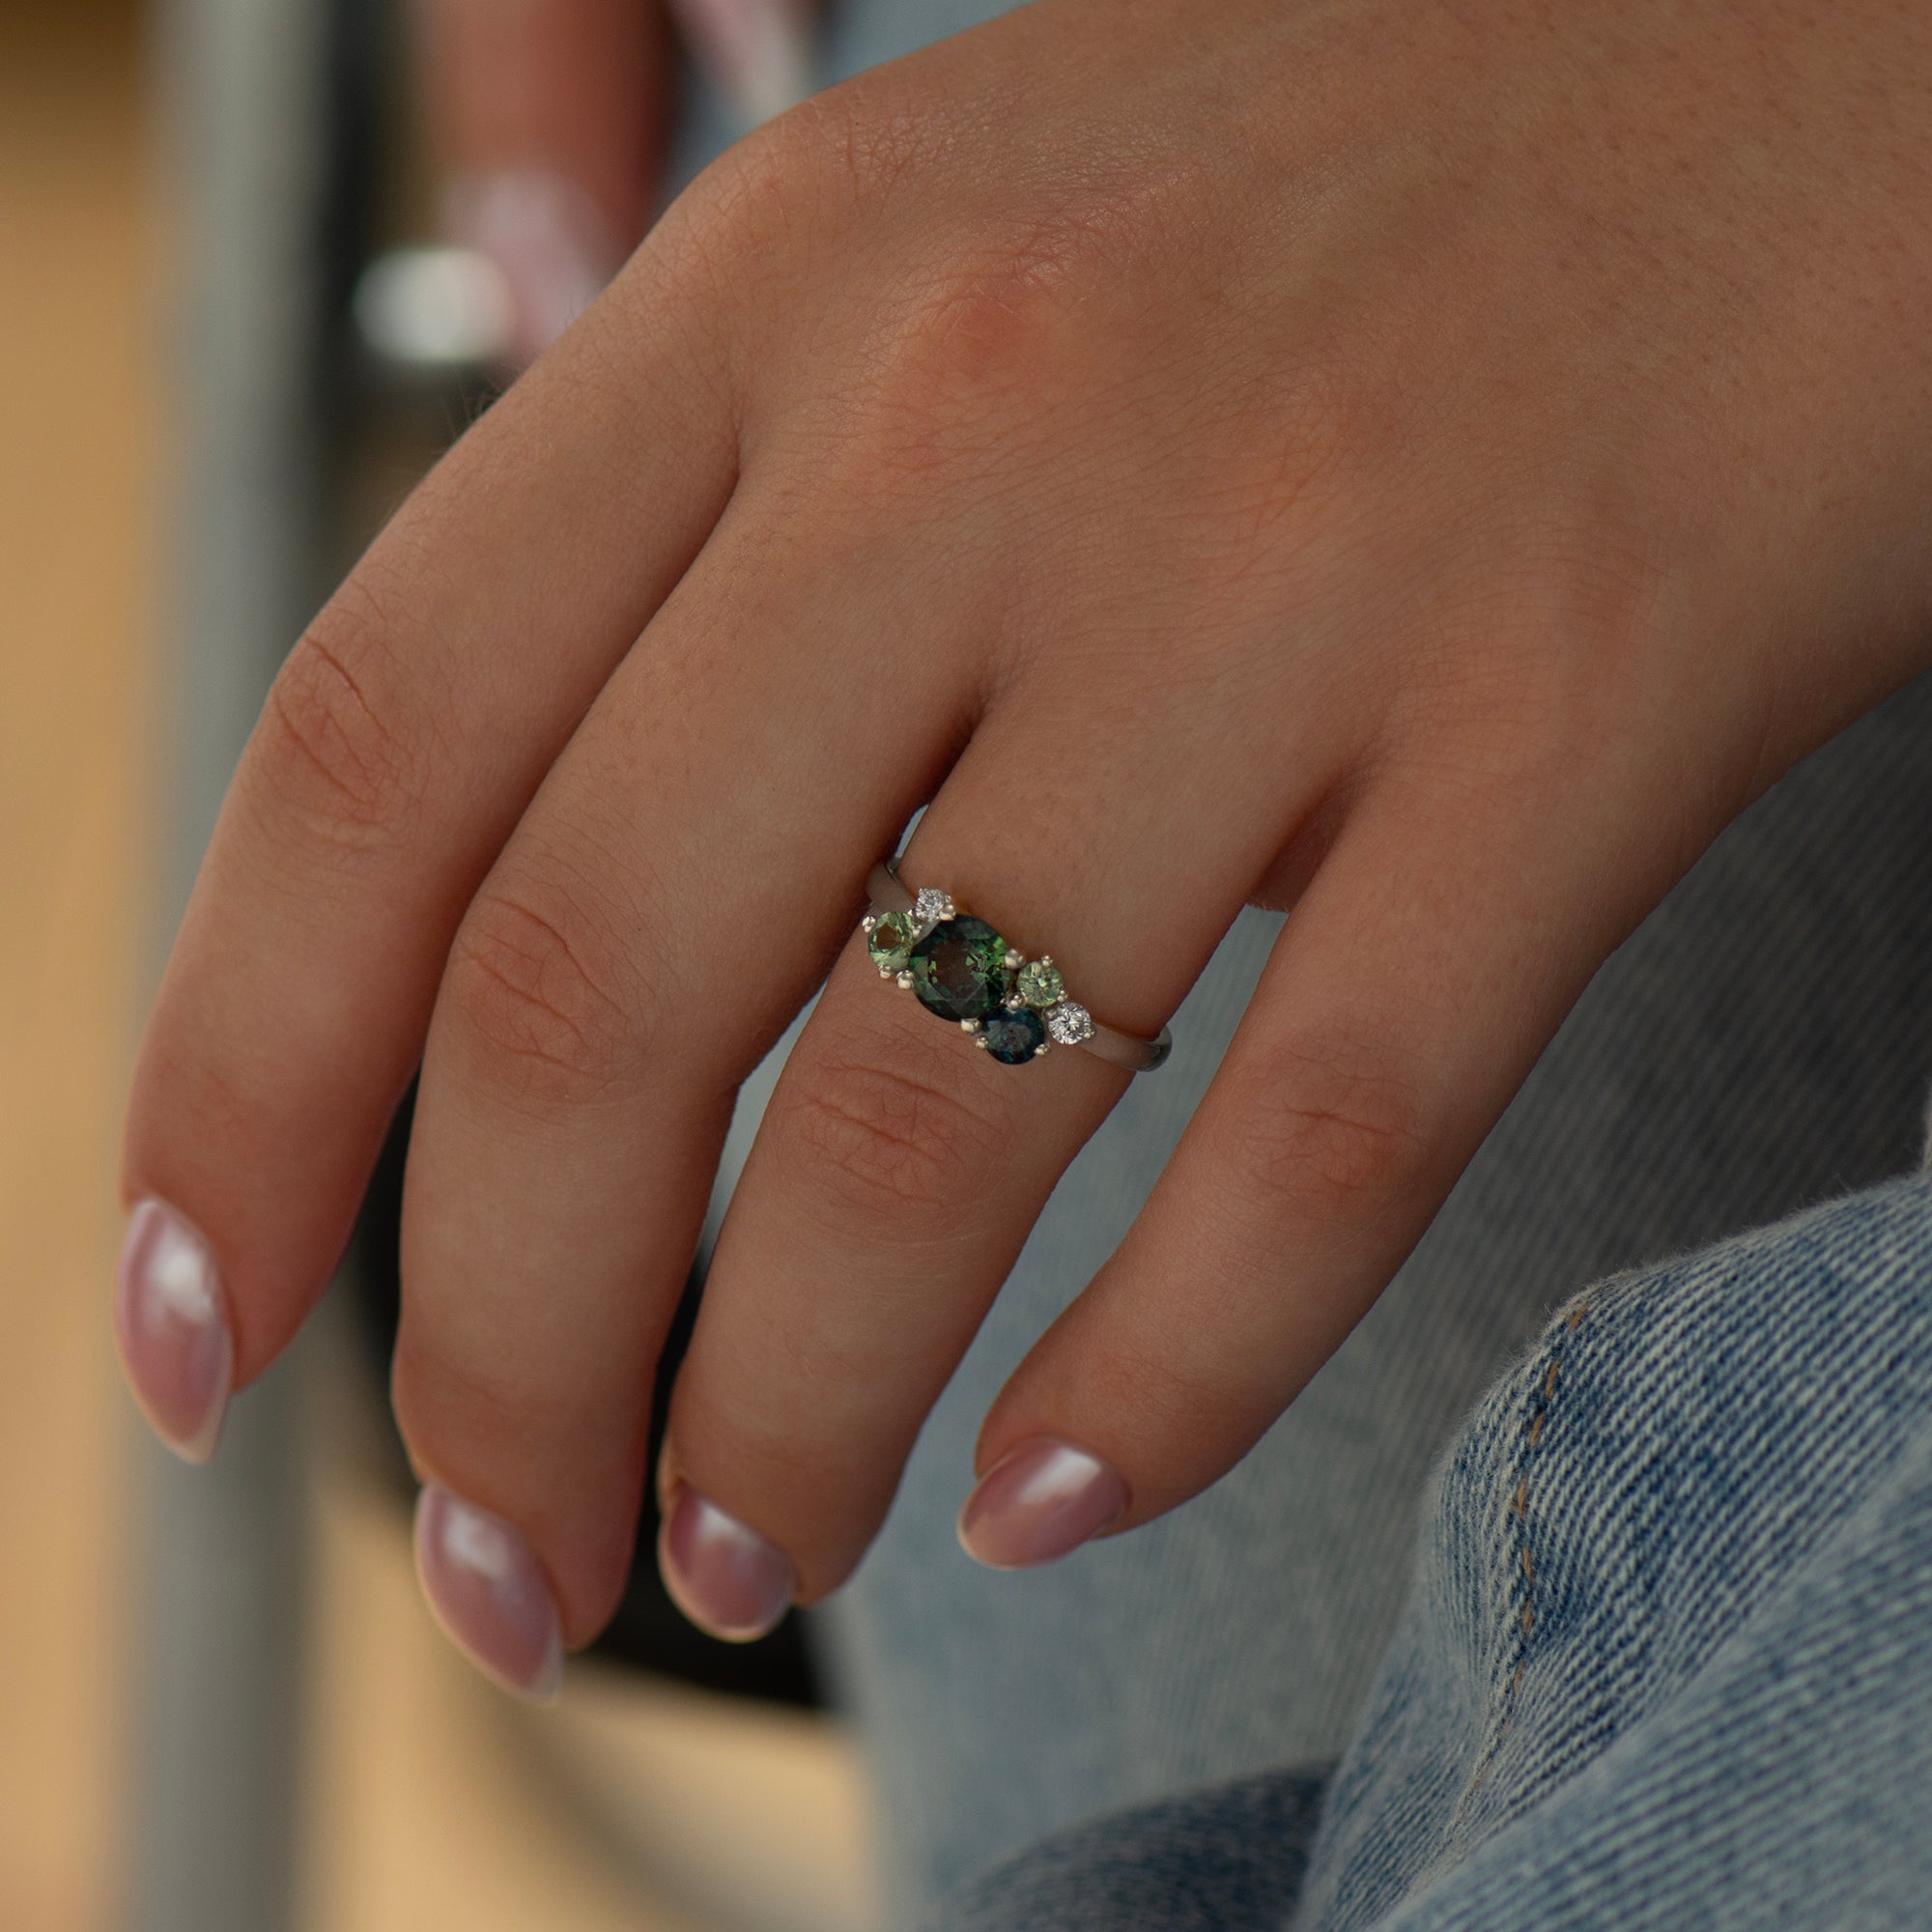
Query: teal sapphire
point(1014, 1037)
point(960, 970)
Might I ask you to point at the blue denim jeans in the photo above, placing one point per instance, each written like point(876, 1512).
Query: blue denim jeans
point(1667, 1657)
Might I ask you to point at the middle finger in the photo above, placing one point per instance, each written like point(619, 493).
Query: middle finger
point(668, 901)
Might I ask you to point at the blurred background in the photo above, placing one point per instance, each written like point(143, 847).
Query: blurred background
point(226, 350)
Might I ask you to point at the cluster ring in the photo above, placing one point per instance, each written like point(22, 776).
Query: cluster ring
point(1014, 1008)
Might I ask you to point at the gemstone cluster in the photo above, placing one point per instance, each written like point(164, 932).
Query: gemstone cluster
point(959, 968)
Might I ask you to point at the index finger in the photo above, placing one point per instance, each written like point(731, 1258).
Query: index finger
point(398, 747)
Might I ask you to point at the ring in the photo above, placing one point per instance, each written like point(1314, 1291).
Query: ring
point(959, 968)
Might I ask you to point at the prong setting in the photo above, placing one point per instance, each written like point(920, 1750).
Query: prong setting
point(1011, 1007)
point(1070, 1023)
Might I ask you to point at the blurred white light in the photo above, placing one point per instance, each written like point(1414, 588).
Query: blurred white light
point(432, 307)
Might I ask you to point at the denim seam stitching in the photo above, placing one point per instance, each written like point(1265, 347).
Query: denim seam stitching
point(1543, 1399)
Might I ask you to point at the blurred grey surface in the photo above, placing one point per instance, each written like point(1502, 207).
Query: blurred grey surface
point(220, 1596)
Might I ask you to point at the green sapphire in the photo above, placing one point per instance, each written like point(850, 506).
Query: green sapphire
point(1040, 984)
point(960, 970)
point(889, 942)
point(1015, 1037)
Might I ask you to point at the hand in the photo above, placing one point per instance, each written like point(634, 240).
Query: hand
point(1426, 466)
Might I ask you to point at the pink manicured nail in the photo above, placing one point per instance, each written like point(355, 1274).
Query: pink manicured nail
point(489, 1592)
point(171, 1321)
point(547, 243)
point(727, 1578)
point(759, 52)
point(1038, 1502)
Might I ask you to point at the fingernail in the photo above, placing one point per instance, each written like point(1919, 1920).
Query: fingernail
point(757, 51)
point(1038, 1502)
point(547, 242)
point(727, 1578)
point(489, 1593)
point(171, 1323)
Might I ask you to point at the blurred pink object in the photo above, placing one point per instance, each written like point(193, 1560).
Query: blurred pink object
point(759, 53)
point(1038, 1502)
point(171, 1321)
point(489, 1593)
point(547, 243)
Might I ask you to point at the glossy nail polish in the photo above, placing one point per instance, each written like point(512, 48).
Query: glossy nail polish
point(1041, 1500)
point(547, 243)
point(757, 51)
point(172, 1323)
point(489, 1593)
point(725, 1577)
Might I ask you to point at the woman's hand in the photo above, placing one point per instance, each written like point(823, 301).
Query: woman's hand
point(1429, 464)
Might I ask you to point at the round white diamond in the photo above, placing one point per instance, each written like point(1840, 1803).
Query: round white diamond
point(1070, 1023)
point(932, 905)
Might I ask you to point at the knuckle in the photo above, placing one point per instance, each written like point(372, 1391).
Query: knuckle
point(1166, 1393)
point(458, 1406)
point(765, 198)
point(1335, 1130)
point(535, 980)
point(838, 155)
point(1000, 332)
point(331, 747)
point(900, 1141)
point(1006, 327)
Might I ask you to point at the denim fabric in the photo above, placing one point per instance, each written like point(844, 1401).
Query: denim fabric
point(1217, 1861)
point(1669, 1655)
point(1667, 1660)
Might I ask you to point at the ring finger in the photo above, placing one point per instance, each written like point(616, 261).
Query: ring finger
point(897, 1172)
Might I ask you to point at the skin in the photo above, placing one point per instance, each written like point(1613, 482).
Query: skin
point(1425, 465)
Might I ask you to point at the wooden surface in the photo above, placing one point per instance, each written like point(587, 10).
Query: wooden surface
point(630, 1806)
point(432, 1802)
point(77, 448)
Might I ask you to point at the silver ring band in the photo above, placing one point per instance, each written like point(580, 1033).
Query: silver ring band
point(1015, 1007)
